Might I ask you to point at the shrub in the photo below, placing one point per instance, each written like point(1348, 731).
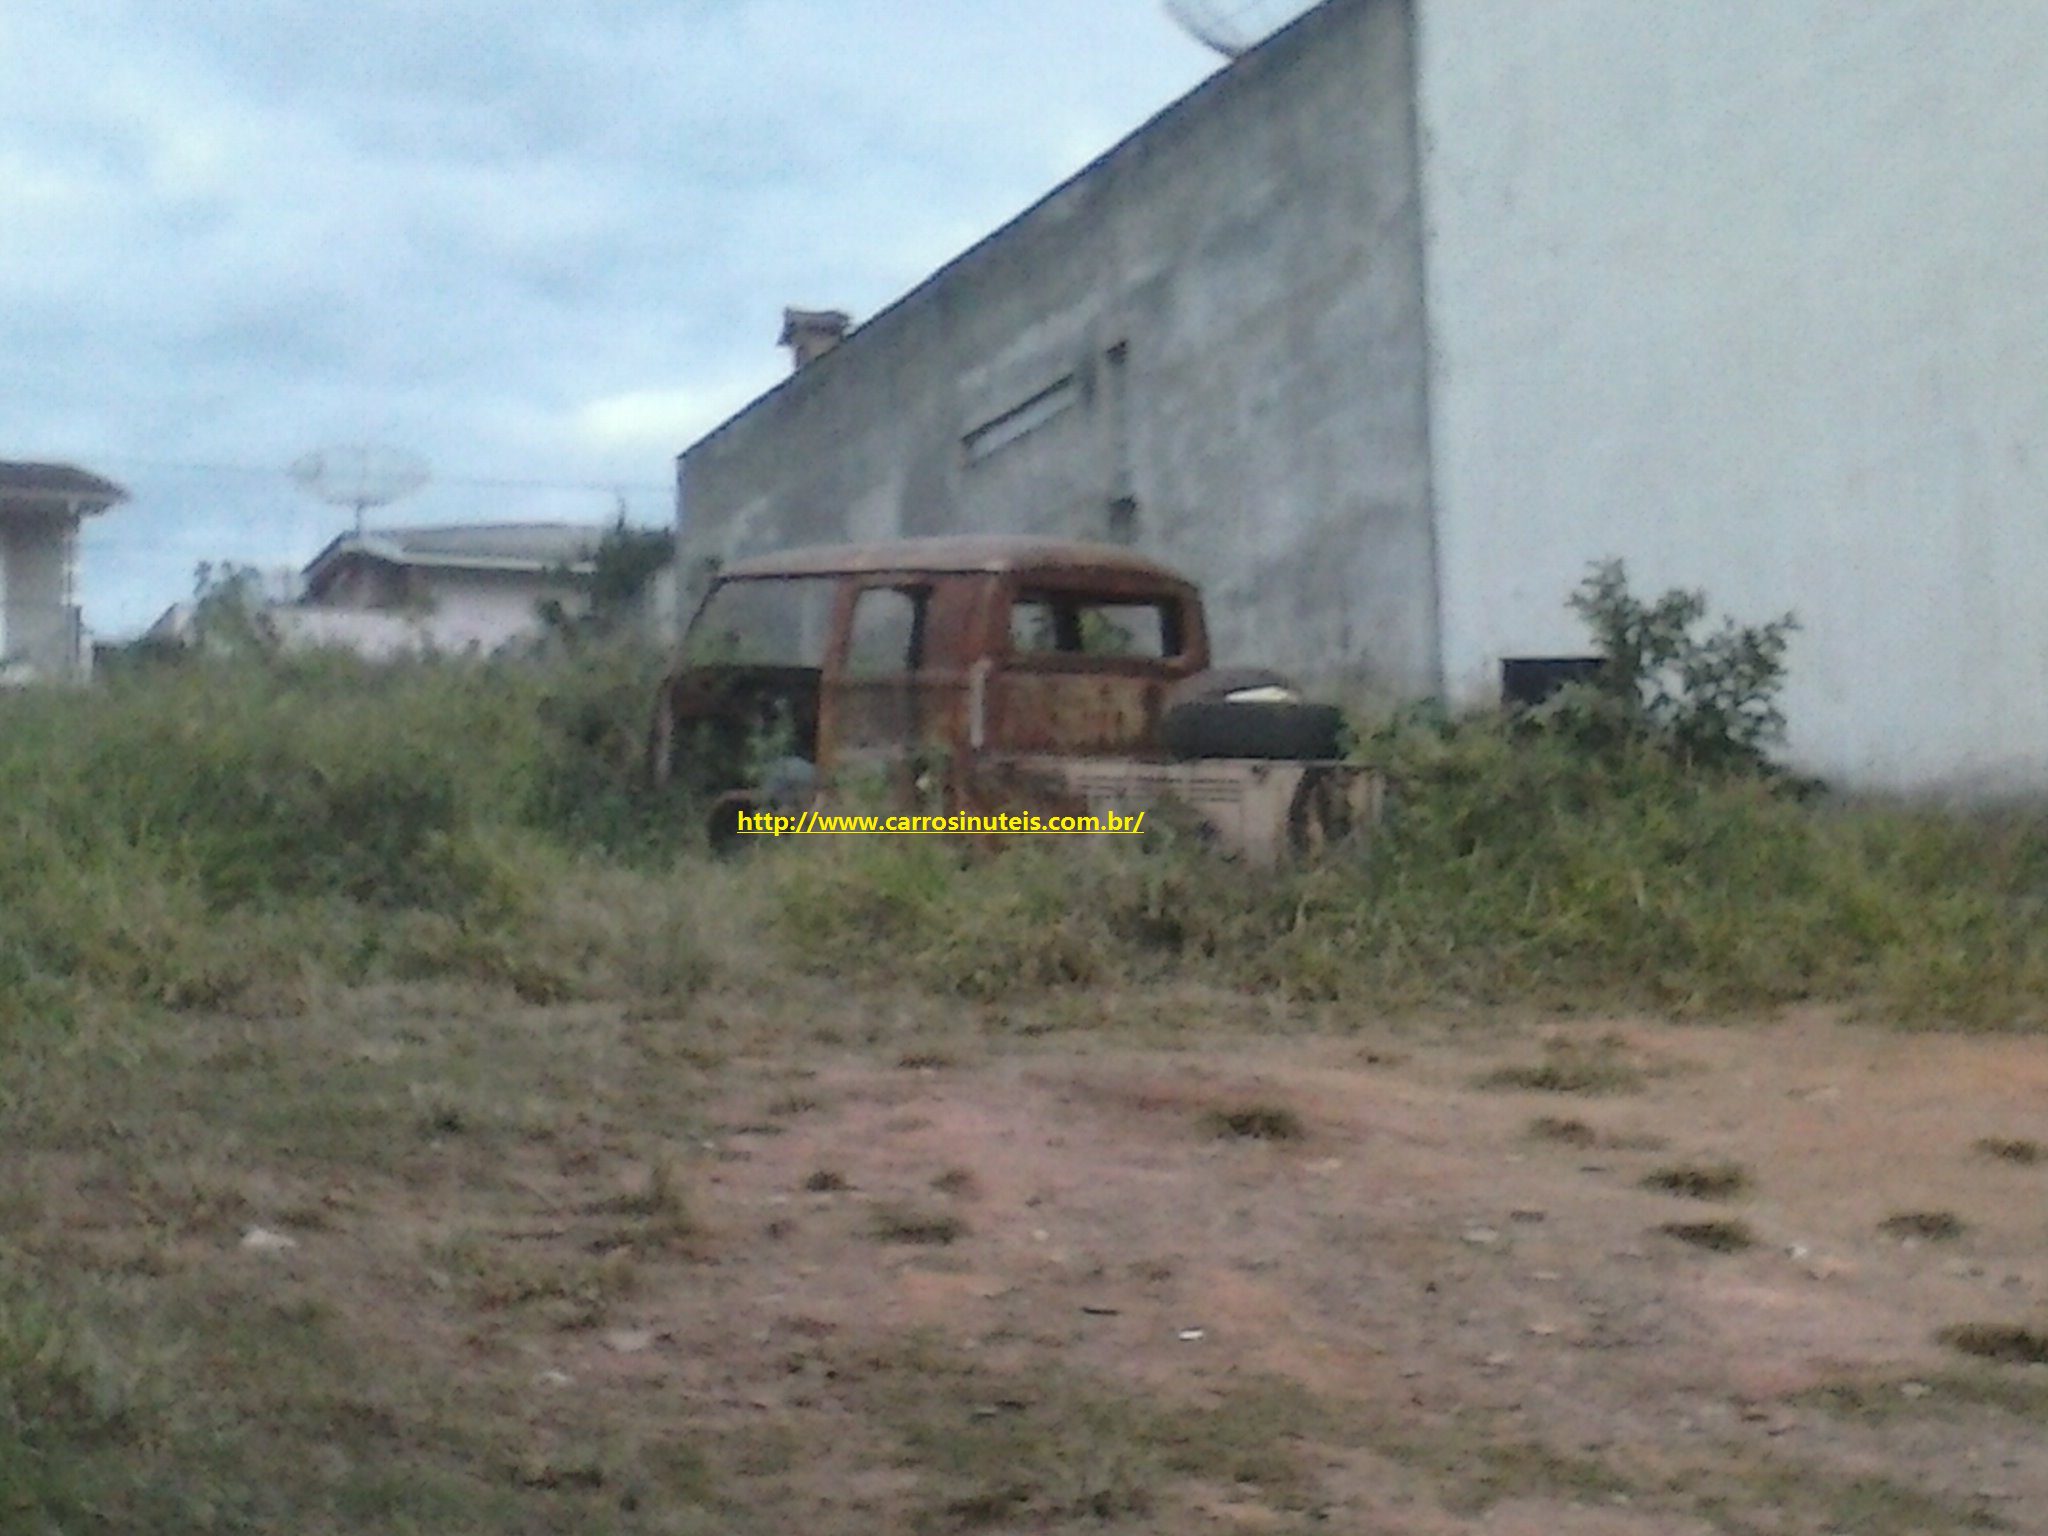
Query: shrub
point(1710, 699)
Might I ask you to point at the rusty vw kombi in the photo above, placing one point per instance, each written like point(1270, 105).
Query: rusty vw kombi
point(987, 675)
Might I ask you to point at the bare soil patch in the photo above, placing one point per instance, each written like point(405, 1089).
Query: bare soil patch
point(904, 1270)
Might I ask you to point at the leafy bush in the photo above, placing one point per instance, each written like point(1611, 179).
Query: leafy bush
point(1710, 699)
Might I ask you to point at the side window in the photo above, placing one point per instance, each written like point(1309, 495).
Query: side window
point(886, 637)
point(1034, 626)
point(1077, 624)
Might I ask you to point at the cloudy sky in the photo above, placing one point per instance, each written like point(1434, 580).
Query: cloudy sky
point(543, 246)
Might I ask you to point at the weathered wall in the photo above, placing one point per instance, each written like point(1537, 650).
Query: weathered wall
point(483, 610)
point(1218, 326)
point(38, 627)
point(1751, 294)
point(365, 608)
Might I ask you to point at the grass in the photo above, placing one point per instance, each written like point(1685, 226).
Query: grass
point(1255, 1122)
point(1568, 1066)
point(240, 837)
point(898, 1223)
point(393, 961)
point(1713, 1236)
point(1564, 1131)
point(2007, 1343)
point(1053, 1449)
point(1923, 1226)
point(1700, 1181)
point(661, 1208)
point(1510, 871)
point(1942, 1393)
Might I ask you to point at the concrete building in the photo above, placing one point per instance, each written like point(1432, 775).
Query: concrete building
point(385, 594)
point(42, 635)
point(1397, 324)
point(470, 588)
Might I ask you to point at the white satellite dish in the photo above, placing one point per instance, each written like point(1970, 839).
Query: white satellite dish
point(1233, 27)
point(360, 476)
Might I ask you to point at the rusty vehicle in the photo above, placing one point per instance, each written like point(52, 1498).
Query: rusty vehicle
point(994, 675)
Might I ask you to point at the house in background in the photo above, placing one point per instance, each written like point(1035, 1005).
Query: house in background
point(42, 635)
point(463, 590)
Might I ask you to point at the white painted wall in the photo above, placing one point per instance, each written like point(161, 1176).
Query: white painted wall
point(464, 613)
point(483, 610)
point(1754, 293)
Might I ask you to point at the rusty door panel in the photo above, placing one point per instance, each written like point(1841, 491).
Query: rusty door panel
point(1087, 713)
point(897, 714)
point(874, 714)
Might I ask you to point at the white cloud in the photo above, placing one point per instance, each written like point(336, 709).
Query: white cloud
point(660, 421)
point(541, 243)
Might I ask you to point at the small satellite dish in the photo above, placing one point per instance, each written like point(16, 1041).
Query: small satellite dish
point(361, 476)
point(1233, 27)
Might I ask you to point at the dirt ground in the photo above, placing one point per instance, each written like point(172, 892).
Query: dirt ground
point(1403, 1281)
point(1418, 1258)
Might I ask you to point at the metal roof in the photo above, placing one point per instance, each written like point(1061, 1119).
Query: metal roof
point(63, 484)
point(529, 547)
point(994, 553)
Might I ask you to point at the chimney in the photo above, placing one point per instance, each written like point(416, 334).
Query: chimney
point(811, 333)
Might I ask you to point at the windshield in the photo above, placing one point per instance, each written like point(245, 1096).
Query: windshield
point(763, 622)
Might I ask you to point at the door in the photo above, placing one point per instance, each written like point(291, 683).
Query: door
point(1087, 670)
point(874, 699)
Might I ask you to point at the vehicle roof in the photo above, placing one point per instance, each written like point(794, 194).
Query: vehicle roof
point(979, 553)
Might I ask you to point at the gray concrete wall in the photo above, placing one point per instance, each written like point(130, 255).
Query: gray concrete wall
point(1210, 345)
point(39, 629)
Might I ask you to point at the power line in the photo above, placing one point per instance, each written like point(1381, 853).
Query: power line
point(486, 482)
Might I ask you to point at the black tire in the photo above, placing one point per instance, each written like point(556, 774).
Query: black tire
point(1272, 732)
point(1217, 684)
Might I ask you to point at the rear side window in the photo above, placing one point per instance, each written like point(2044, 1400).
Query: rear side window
point(1052, 623)
point(766, 622)
point(886, 635)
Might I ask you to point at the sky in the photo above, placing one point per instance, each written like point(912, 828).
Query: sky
point(540, 246)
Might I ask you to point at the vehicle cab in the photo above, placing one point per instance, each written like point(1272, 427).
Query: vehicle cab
point(976, 674)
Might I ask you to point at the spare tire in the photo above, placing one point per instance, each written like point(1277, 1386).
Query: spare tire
point(1273, 732)
point(1219, 683)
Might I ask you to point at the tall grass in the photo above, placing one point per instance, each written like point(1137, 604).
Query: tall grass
point(193, 834)
point(1511, 868)
point(229, 836)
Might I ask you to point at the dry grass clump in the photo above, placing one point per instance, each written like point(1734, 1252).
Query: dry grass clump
point(899, 1223)
point(1923, 1226)
point(1568, 1066)
point(1564, 1131)
point(2007, 1343)
point(1255, 1122)
point(1700, 1181)
point(1714, 1236)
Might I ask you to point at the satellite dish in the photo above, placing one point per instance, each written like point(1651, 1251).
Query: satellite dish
point(362, 476)
point(1233, 27)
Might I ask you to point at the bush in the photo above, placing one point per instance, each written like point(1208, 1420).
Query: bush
point(1711, 700)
